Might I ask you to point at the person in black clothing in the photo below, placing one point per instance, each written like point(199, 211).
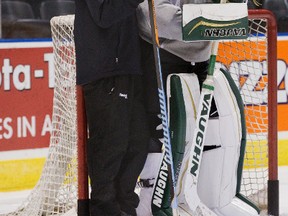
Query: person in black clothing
point(108, 67)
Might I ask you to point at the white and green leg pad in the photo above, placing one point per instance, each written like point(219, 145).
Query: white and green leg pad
point(221, 166)
point(218, 178)
point(219, 171)
point(188, 83)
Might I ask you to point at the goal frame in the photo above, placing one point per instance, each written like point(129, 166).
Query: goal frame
point(83, 183)
point(273, 182)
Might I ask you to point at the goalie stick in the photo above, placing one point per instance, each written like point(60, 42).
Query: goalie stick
point(191, 194)
point(166, 170)
point(194, 203)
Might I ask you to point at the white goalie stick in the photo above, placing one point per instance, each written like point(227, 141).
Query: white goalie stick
point(193, 201)
point(166, 170)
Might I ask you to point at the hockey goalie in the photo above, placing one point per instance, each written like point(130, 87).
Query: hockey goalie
point(207, 150)
point(220, 172)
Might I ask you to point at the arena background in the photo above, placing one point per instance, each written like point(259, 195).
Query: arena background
point(26, 93)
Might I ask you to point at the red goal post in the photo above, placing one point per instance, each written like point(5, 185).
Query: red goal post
point(273, 182)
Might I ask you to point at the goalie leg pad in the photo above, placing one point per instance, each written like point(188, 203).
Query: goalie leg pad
point(227, 132)
point(217, 177)
point(187, 101)
point(218, 172)
point(217, 180)
point(191, 94)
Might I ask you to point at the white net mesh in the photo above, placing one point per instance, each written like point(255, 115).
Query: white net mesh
point(56, 192)
point(247, 62)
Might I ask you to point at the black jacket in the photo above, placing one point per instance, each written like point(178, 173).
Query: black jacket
point(106, 39)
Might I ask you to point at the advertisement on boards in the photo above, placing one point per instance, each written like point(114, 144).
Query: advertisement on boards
point(26, 94)
point(26, 103)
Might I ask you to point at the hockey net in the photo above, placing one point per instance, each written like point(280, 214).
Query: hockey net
point(249, 62)
point(57, 191)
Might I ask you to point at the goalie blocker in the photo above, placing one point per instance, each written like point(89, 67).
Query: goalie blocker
point(221, 167)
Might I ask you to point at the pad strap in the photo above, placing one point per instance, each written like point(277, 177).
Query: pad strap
point(146, 183)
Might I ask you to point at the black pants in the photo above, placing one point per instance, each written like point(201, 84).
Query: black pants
point(117, 144)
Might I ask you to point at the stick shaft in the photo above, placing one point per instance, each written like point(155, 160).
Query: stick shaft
point(162, 100)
